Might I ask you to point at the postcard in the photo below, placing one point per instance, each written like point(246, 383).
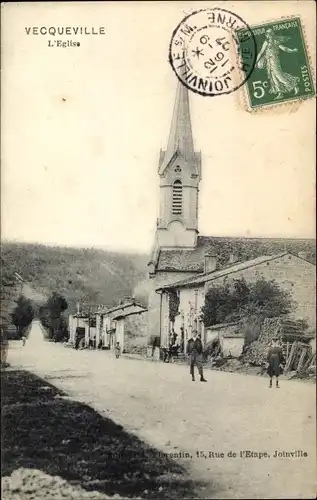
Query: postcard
point(158, 250)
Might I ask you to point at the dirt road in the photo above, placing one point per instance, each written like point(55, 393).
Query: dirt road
point(230, 414)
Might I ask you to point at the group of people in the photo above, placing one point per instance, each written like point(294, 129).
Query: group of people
point(173, 349)
point(194, 351)
point(275, 359)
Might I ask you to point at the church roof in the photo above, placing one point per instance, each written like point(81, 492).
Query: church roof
point(180, 140)
point(243, 249)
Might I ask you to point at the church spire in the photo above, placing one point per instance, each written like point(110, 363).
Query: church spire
point(180, 175)
point(180, 137)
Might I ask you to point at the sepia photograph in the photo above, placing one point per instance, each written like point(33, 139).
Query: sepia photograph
point(158, 250)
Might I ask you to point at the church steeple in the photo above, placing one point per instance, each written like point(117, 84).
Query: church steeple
point(180, 173)
point(180, 137)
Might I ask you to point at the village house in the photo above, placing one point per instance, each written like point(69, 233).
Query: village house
point(292, 273)
point(103, 327)
point(112, 324)
point(83, 323)
point(179, 252)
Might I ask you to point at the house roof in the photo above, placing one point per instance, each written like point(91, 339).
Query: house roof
point(244, 248)
point(124, 314)
point(123, 307)
point(212, 275)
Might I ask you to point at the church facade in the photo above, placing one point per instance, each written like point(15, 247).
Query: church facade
point(179, 172)
point(179, 252)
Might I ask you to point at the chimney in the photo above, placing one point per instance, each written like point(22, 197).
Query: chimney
point(210, 263)
point(233, 258)
point(302, 255)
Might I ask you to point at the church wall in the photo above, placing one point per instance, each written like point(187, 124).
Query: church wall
point(165, 202)
point(189, 206)
point(177, 236)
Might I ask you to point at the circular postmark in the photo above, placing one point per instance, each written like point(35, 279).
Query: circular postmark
point(208, 52)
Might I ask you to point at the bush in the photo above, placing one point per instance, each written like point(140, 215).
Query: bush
point(239, 299)
point(52, 319)
point(173, 305)
point(23, 314)
point(251, 328)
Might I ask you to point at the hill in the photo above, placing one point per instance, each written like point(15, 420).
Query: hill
point(88, 275)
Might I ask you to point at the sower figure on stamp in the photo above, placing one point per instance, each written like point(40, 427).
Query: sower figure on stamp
point(268, 57)
point(195, 354)
point(274, 359)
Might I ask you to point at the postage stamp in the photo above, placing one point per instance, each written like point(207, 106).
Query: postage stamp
point(206, 54)
point(282, 70)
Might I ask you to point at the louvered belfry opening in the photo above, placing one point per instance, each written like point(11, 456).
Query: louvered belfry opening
point(177, 203)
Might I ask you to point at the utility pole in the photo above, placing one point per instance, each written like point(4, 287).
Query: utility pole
point(89, 308)
point(20, 280)
point(78, 309)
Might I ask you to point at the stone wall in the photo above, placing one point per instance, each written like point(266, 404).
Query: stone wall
point(220, 330)
point(231, 339)
point(135, 333)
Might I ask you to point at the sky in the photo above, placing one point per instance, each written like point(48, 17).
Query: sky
point(82, 128)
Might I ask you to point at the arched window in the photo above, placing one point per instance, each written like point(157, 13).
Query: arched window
point(177, 201)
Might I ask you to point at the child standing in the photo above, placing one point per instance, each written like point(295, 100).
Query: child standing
point(275, 360)
point(117, 350)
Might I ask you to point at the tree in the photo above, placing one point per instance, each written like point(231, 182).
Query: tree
point(56, 304)
point(23, 314)
point(239, 300)
point(173, 304)
point(269, 299)
point(51, 317)
point(219, 305)
point(9, 292)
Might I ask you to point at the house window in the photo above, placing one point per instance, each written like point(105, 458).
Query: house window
point(177, 201)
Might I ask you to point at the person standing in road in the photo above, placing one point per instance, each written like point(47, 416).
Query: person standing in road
point(275, 360)
point(195, 354)
point(117, 350)
point(23, 340)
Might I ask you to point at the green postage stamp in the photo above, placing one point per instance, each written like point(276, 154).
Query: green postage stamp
point(281, 72)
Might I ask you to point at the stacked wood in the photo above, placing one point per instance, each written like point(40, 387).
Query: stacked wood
point(256, 353)
point(308, 368)
point(298, 357)
point(286, 329)
point(293, 336)
point(291, 358)
point(302, 357)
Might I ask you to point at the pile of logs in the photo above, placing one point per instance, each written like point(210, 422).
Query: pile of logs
point(295, 339)
point(256, 353)
point(301, 359)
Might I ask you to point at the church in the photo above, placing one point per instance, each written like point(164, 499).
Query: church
point(179, 251)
